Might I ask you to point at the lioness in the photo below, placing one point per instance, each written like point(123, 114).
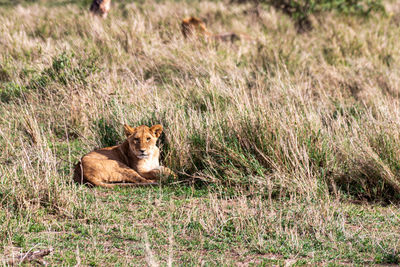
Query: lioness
point(134, 162)
point(100, 7)
point(193, 26)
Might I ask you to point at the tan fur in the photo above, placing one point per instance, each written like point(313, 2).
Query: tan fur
point(134, 162)
point(195, 27)
point(100, 7)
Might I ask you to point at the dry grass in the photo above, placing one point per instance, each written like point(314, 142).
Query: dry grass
point(278, 134)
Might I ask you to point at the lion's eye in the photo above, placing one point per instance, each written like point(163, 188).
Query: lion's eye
point(148, 139)
point(136, 140)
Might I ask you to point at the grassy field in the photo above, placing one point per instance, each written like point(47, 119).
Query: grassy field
point(287, 145)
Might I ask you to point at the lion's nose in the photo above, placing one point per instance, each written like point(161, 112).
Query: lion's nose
point(142, 150)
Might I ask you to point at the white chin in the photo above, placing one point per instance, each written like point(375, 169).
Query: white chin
point(142, 157)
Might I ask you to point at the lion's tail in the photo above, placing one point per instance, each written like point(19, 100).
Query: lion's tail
point(78, 173)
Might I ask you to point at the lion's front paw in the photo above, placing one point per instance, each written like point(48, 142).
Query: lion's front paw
point(167, 172)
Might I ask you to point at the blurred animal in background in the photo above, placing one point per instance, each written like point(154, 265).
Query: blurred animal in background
point(134, 162)
point(193, 27)
point(100, 7)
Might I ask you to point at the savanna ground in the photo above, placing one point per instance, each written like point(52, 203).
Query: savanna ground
point(287, 146)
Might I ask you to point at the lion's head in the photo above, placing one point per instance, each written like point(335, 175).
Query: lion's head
point(142, 140)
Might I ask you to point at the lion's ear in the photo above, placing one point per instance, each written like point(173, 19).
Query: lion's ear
point(128, 130)
point(156, 130)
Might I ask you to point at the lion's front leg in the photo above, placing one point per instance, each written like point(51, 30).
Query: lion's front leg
point(159, 174)
point(100, 172)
